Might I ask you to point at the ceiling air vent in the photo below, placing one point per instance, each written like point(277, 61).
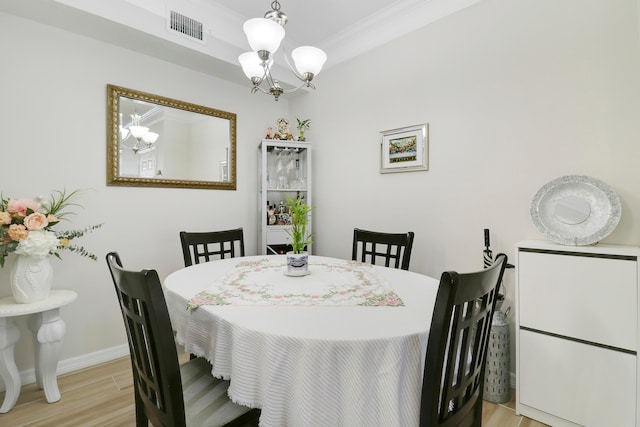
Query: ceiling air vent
point(186, 26)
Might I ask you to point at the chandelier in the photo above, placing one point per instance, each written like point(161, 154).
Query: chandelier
point(143, 138)
point(264, 36)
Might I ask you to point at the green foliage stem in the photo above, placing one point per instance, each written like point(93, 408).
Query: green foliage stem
point(298, 214)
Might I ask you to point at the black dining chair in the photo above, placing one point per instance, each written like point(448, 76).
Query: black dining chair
point(206, 246)
point(369, 245)
point(453, 381)
point(165, 392)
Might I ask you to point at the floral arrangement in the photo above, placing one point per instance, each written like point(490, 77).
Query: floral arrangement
point(26, 227)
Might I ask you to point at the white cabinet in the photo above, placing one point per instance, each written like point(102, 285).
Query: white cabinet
point(577, 334)
point(284, 170)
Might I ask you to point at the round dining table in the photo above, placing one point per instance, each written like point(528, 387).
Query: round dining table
point(318, 350)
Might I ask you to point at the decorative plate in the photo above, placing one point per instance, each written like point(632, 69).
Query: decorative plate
point(576, 210)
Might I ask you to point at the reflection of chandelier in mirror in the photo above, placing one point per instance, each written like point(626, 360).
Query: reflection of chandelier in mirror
point(144, 138)
point(265, 35)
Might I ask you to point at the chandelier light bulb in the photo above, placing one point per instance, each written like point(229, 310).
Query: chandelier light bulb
point(150, 137)
point(309, 59)
point(138, 131)
point(263, 34)
point(252, 65)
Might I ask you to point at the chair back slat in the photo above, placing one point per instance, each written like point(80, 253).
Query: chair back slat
point(453, 379)
point(207, 246)
point(369, 246)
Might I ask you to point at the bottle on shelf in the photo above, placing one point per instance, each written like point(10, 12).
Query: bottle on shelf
point(271, 212)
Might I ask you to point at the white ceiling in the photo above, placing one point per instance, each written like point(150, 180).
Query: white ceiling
point(343, 28)
point(313, 22)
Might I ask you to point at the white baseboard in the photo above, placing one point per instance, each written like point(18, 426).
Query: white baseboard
point(76, 363)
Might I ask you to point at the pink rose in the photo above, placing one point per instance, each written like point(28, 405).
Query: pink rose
point(36, 221)
point(17, 232)
point(51, 218)
point(5, 218)
point(18, 207)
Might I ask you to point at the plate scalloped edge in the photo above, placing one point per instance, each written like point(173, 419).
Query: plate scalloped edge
point(590, 236)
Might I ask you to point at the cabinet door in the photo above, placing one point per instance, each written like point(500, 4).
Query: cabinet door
point(589, 298)
point(587, 385)
point(278, 237)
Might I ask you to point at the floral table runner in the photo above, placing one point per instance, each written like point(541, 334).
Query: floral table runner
point(263, 282)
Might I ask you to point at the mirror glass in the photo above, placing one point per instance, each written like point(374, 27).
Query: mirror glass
point(153, 141)
point(572, 210)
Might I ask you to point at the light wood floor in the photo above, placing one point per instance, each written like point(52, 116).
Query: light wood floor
point(103, 396)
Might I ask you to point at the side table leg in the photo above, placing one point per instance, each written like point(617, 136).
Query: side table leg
point(9, 335)
point(48, 330)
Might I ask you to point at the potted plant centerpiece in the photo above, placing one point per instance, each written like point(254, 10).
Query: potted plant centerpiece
point(298, 258)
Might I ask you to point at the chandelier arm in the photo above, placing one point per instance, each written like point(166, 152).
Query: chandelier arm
point(267, 73)
point(291, 67)
point(305, 84)
point(269, 78)
point(135, 147)
point(257, 82)
point(261, 89)
point(270, 81)
point(126, 146)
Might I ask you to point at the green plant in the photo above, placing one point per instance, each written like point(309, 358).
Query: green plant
point(303, 125)
point(298, 215)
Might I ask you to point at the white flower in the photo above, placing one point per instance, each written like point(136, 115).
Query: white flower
point(38, 244)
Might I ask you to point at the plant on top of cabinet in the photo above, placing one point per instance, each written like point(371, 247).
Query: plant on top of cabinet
point(303, 125)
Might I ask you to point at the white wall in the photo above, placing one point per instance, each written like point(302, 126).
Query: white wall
point(516, 93)
point(53, 115)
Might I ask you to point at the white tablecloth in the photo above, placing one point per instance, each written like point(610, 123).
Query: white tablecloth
point(312, 365)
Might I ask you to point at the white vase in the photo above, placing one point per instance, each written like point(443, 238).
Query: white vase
point(31, 278)
point(297, 264)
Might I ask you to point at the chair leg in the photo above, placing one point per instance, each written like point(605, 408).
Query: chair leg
point(477, 416)
point(250, 418)
point(141, 417)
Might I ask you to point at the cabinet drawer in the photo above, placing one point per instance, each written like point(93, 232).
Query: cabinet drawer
point(587, 385)
point(590, 298)
point(277, 237)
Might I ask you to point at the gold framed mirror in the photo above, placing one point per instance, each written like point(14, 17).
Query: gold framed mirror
point(153, 141)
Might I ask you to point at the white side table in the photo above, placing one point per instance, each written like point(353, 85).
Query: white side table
point(48, 330)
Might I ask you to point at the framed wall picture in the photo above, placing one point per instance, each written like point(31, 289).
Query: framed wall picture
point(405, 149)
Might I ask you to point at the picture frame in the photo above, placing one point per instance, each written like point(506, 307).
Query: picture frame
point(405, 149)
